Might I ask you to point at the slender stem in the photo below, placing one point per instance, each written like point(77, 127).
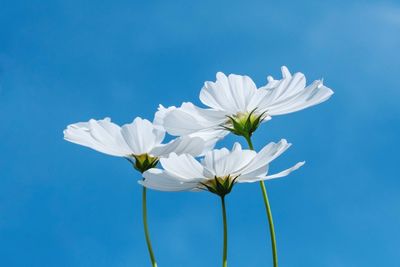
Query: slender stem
point(269, 213)
point(146, 228)
point(225, 248)
point(248, 139)
point(271, 224)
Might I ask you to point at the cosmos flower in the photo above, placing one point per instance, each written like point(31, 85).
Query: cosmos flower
point(139, 141)
point(218, 171)
point(236, 105)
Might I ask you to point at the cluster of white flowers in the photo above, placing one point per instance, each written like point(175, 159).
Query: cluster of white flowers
point(189, 162)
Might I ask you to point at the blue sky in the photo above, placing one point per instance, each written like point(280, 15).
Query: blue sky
point(68, 61)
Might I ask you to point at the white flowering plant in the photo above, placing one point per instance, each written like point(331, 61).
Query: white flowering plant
point(189, 162)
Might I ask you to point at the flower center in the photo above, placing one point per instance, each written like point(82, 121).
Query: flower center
point(144, 162)
point(244, 123)
point(220, 185)
point(242, 117)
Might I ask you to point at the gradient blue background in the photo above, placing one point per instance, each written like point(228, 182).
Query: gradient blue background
point(68, 61)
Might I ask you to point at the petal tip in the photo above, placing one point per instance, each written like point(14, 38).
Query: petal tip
point(285, 72)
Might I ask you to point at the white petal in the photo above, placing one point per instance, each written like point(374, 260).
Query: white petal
point(141, 136)
point(210, 137)
point(160, 115)
point(222, 162)
point(291, 86)
point(286, 172)
point(264, 157)
point(242, 89)
point(160, 180)
point(183, 166)
point(217, 95)
point(231, 94)
point(159, 134)
point(289, 94)
point(286, 72)
point(106, 133)
point(103, 136)
point(213, 156)
point(234, 163)
point(237, 147)
point(260, 100)
point(312, 95)
point(185, 144)
point(189, 119)
point(261, 171)
point(280, 90)
point(268, 177)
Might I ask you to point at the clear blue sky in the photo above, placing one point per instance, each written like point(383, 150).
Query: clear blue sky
point(68, 61)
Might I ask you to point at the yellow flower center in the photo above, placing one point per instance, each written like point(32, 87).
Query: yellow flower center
point(220, 185)
point(144, 162)
point(244, 123)
point(243, 117)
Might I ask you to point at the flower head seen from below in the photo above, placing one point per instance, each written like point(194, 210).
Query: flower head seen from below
point(236, 105)
point(218, 171)
point(140, 141)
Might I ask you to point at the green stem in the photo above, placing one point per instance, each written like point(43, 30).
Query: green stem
point(146, 228)
point(271, 223)
point(248, 139)
point(269, 213)
point(225, 248)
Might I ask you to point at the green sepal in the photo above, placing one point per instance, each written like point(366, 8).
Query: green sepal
point(244, 124)
point(220, 186)
point(144, 162)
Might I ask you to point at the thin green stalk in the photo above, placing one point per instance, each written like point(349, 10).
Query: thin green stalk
point(269, 213)
point(271, 224)
point(248, 139)
point(225, 248)
point(146, 228)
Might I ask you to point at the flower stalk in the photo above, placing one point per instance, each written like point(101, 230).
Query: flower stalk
point(269, 212)
point(225, 246)
point(146, 228)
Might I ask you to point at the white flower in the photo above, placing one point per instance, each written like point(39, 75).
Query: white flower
point(218, 171)
point(235, 100)
point(200, 128)
point(139, 140)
